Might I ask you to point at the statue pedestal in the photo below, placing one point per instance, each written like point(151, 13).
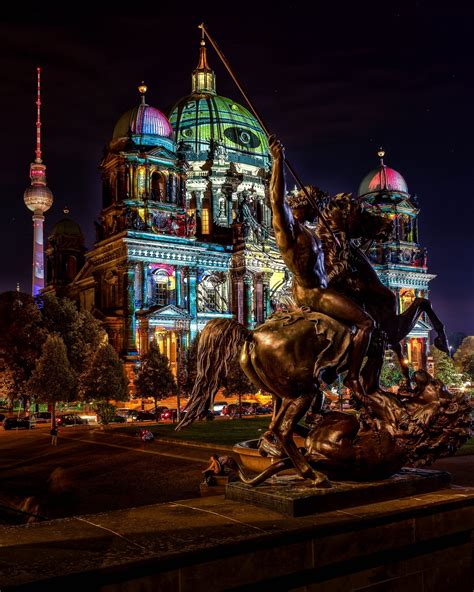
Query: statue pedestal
point(293, 496)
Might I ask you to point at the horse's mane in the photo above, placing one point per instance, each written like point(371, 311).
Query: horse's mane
point(335, 212)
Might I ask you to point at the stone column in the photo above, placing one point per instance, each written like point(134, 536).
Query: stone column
point(248, 312)
point(143, 336)
point(258, 299)
point(129, 281)
point(139, 292)
point(192, 300)
point(178, 285)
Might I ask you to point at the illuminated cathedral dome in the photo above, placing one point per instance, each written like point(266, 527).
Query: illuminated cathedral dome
point(204, 120)
point(67, 227)
point(383, 178)
point(143, 120)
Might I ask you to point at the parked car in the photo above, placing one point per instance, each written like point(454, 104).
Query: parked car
point(118, 419)
point(11, 423)
point(143, 416)
point(159, 410)
point(170, 414)
point(70, 420)
point(264, 410)
point(41, 417)
point(218, 407)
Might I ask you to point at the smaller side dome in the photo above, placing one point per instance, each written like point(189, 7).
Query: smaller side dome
point(67, 227)
point(383, 178)
point(143, 120)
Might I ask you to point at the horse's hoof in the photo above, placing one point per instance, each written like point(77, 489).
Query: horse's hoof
point(322, 483)
point(442, 344)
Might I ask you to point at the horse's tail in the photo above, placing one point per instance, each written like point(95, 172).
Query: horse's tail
point(219, 342)
point(273, 469)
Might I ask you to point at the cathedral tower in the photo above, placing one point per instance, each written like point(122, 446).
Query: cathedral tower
point(38, 198)
point(401, 263)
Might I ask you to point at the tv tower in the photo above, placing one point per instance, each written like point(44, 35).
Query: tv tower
point(38, 198)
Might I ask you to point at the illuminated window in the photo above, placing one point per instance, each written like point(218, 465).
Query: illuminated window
point(141, 181)
point(205, 226)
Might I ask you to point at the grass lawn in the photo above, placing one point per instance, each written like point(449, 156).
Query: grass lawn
point(219, 431)
point(228, 432)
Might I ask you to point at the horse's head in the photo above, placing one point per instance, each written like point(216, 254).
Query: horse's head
point(367, 225)
point(301, 207)
point(347, 216)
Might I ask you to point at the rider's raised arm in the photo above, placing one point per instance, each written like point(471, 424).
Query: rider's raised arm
point(283, 221)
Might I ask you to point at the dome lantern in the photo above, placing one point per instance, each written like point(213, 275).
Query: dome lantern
point(203, 78)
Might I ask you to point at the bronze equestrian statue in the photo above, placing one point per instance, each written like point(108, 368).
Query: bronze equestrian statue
point(329, 332)
point(285, 356)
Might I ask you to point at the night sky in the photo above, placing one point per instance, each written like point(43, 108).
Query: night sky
point(334, 84)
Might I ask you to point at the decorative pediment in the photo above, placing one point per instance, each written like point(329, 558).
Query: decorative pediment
point(166, 313)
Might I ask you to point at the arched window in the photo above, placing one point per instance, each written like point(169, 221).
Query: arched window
point(158, 187)
point(71, 268)
point(161, 288)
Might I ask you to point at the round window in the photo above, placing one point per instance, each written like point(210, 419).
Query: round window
point(245, 137)
point(187, 133)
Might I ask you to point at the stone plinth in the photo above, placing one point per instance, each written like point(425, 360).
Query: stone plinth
point(420, 543)
point(294, 496)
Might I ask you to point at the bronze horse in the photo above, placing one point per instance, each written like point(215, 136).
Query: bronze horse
point(350, 271)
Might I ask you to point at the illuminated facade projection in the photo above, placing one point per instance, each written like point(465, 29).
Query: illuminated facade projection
point(184, 232)
point(401, 263)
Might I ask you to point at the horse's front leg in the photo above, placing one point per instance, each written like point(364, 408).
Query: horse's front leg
point(402, 324)
point(295, 410)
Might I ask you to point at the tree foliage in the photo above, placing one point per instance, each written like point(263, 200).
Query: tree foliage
point(468, 367)
point(391, 374)
point(464, 354)
point(444, 368)
point(104, 377)
point(154, 377)
point(81, 332)
point(22, 335)
point(53, 378)
point(105, 412)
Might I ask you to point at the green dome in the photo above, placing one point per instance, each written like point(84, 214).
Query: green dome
point(202, 119)
point(67, 227)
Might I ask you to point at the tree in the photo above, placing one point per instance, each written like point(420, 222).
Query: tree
point(190, 365)
point(468, 367)
point(444, 368)
point(154, 377)
point(391, 374)
point(22, 336)
point(104, 377)
point(81, 332)
point(53, 379)
point(105, 412)
point(463, 353)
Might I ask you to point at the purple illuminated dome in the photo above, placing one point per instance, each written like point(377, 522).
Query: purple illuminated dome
point(383, 178)
point(143, 120)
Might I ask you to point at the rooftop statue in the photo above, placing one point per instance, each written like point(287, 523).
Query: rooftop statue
point(342, 313)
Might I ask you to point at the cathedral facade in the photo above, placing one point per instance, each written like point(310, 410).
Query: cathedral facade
point(184, 234)
point(185, 231)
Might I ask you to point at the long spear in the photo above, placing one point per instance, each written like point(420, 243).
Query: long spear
point(290, 168)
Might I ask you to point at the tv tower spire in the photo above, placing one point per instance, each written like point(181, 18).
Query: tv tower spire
point(38, 198)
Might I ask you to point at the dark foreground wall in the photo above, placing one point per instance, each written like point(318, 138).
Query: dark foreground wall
point(418, 543)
